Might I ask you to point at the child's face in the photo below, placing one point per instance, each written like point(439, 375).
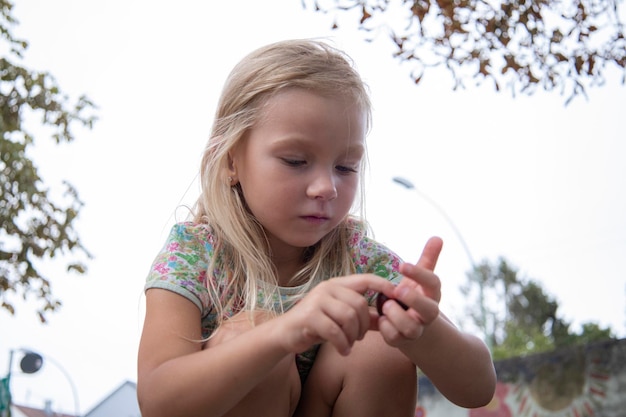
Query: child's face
point(299, 167)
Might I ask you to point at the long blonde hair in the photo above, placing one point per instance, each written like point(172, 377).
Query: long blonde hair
point(241, 248)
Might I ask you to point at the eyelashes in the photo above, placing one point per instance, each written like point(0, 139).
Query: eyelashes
point(298, 163)
point(346, 169)
point(293, 162)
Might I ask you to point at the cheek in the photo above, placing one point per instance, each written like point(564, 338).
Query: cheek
point(263, 193)
point(262, 206)
point(349, 190)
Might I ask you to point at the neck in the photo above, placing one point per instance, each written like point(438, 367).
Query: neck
point(287, 264)
point(287, 268)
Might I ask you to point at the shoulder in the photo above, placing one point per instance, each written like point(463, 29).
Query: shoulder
point(190, 234)
point(371, 256)
point(188, 244)
point(182, 263)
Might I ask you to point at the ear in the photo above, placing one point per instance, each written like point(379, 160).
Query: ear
point(232, 168)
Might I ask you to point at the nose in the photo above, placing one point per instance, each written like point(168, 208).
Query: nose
point(322, 186)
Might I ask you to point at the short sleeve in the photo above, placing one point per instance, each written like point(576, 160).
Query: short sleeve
point(372, 257)
point(181, 265)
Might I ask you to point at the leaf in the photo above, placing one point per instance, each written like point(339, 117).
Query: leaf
point(532, 34)
point(364, 15)
point(34, 225)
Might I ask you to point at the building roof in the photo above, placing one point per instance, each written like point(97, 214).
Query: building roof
point(101, 407)
point(37, 412)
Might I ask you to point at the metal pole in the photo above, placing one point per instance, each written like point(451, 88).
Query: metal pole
point(10, 362)
point(67, 376)
point(8, 387)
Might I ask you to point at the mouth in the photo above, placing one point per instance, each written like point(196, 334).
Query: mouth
point(316, 218)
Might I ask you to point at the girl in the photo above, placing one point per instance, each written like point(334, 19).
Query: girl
point(261, 305)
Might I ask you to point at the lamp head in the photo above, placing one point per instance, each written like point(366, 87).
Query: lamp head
point(403, 182)
point(31, 362)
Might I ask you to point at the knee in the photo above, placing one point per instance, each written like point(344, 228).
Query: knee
point(285, 371)
point(280, 389)
point(385, 373)
point(364, 383)
point(375, 358)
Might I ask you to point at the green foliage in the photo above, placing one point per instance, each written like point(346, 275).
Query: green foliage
point(590, 332)
point(528, 44)
point(519, 342)
point(33, 226)
point(521, 318)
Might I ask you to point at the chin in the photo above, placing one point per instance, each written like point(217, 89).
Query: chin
point(304, 243)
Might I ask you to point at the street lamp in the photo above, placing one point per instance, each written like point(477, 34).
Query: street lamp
point(32, 362)
point(481, 292)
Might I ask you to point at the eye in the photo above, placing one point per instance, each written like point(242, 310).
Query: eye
point(346, 169)
point(294, 162)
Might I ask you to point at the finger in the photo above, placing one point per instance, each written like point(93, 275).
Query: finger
point(374, 319)
point(430, 253)
point(381, 299)
point(419, 279)
point(350, 312)
point(407, 324)
point(331, 332)
point(354, 306)
point(426, 308)
point(347, 308)
point(389, 332)
point(364, 282)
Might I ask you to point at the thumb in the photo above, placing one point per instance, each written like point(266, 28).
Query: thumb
point(430, 253)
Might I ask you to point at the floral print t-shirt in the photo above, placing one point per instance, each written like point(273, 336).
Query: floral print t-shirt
point(181, 267)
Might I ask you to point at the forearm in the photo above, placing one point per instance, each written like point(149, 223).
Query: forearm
point(212, 381)
point(458, 364)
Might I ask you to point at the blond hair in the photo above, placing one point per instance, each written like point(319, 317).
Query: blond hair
point(241, 246)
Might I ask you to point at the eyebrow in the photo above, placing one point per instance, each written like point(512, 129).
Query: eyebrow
point(351, 148)
point(356, 148)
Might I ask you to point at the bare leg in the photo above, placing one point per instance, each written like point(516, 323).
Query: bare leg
point(278, 394)
point(374, 380)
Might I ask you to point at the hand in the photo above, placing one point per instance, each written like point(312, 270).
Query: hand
point(420, 290)
point(335, 311)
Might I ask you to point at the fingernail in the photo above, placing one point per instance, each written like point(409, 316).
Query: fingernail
point(386, 308)
point(401, 291)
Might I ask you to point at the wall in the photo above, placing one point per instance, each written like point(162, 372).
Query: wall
point(581, 381)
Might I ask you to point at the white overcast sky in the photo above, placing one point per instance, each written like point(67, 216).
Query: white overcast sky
point(529, 179)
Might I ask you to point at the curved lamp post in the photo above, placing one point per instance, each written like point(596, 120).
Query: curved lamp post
point(409, 186)
point(483, 315)
point(32, 362)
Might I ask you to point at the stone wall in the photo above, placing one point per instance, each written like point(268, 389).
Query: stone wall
point(580, 381)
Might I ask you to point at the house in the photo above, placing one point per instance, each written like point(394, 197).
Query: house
point(23, 411)
point(122, 402)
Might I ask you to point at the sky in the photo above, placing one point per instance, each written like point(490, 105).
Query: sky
point(525, 178)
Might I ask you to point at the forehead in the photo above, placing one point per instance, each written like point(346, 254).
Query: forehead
point(296, 113)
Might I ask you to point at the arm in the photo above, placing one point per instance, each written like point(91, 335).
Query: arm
point(458, 364)
point(177, 378)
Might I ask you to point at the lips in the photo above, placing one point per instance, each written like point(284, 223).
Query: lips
point(315, 218)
